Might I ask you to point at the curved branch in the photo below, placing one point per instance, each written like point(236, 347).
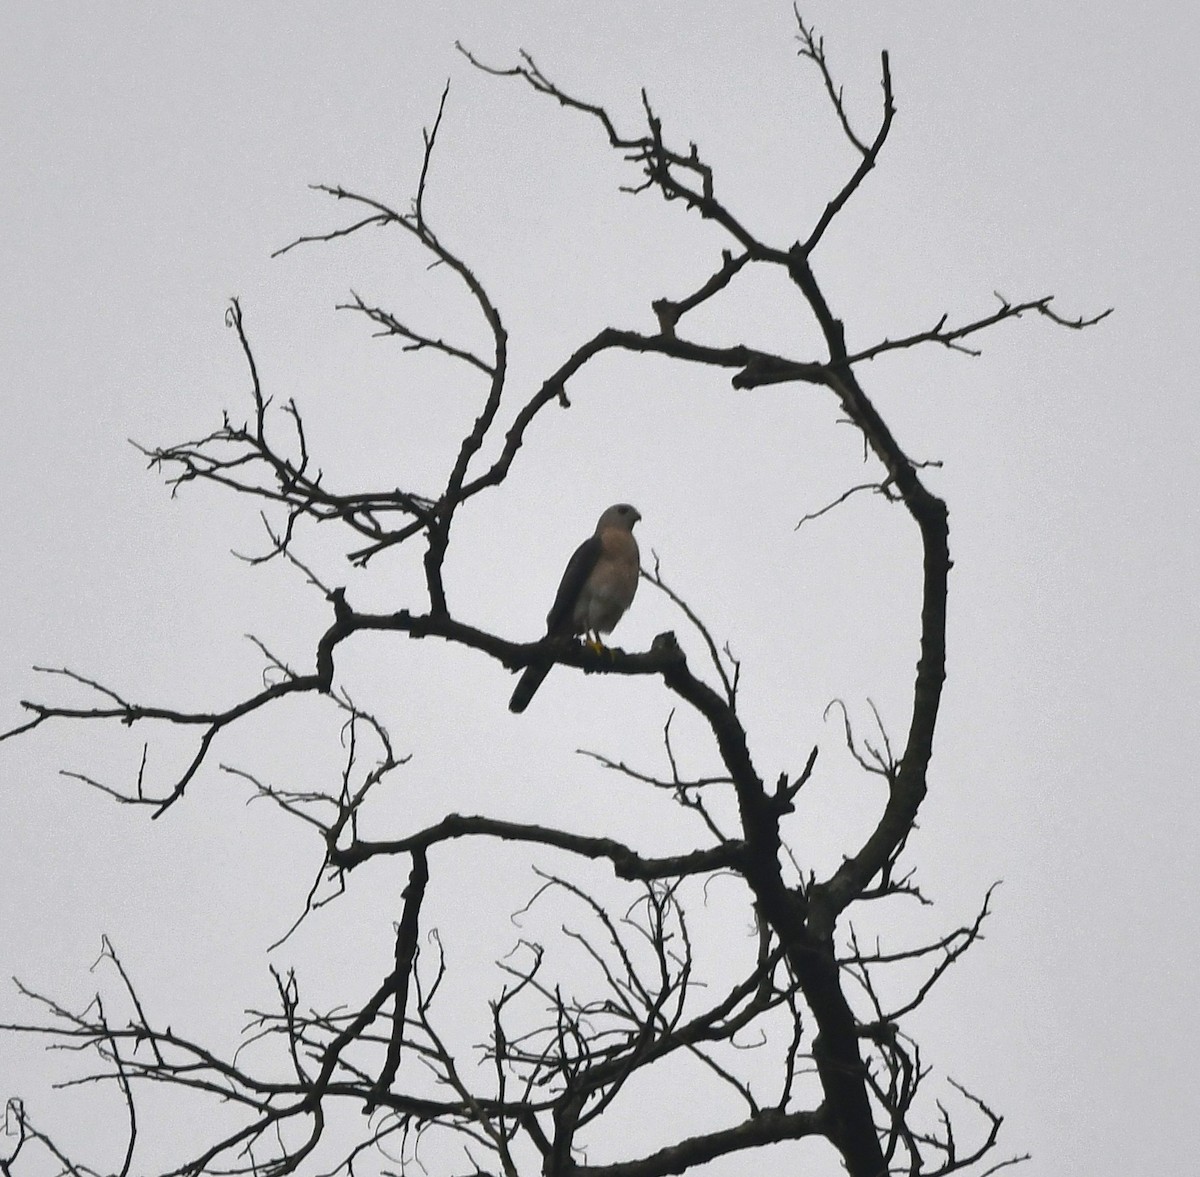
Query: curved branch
point(770, 1126)
point(398, 982)
point(626, 862)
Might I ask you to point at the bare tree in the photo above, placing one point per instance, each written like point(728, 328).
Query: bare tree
point(807, 1042)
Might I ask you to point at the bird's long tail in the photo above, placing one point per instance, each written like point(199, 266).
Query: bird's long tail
point(527, 686)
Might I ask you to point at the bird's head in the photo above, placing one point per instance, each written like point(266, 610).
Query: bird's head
point(620, 515)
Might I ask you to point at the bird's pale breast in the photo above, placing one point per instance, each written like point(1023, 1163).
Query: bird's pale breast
point(610, 588)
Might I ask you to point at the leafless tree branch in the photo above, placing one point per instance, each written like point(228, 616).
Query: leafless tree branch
point(579, 1019)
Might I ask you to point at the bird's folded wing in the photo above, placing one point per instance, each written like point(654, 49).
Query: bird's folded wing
point(559, 621)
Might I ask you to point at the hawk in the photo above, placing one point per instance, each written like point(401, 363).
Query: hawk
point(596, 589)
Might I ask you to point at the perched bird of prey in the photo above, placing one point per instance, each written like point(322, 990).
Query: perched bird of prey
point(596, 589)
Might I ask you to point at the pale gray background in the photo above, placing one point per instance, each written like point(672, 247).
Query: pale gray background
point(154, 155)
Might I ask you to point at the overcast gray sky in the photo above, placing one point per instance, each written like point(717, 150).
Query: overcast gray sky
point(153, 155)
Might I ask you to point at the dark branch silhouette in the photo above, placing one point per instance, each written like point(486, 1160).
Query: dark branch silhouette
point(590, 1014)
